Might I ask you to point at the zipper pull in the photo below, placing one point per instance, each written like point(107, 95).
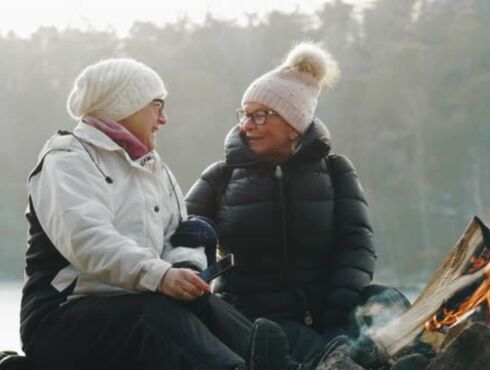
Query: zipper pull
point(278, 172)
point(308, 318)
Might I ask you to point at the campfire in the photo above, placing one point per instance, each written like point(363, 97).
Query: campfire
point(447, 327)
point(446, 318)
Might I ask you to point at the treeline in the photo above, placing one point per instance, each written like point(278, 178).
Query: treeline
point(411, 109)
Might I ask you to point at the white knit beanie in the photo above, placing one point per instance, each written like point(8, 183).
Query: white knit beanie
point(292, 89)
point(114, 89)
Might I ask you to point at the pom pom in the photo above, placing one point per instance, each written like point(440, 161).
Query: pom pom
point(314, 60)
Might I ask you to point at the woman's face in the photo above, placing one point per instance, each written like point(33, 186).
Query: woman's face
point(272, 140)
point(145, 123)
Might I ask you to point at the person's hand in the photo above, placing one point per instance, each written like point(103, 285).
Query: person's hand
point(183, 284)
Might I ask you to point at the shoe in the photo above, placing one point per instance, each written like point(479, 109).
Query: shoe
point(269, 348)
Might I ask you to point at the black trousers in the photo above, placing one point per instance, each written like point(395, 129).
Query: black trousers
point(141, 331)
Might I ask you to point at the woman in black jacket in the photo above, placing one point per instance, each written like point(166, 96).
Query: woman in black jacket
point(293, 214)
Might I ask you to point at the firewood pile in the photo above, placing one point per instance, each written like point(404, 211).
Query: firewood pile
point(447, 327)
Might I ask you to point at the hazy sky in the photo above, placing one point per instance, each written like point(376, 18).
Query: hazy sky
point(26, 16)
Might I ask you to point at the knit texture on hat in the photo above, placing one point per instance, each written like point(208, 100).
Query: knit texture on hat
point(292, 89)
point(114, 89)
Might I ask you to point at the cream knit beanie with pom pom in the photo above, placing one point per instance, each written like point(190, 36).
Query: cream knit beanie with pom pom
point(114, 89)
point(292, 89)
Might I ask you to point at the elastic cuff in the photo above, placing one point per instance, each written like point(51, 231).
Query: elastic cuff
point(151, 280)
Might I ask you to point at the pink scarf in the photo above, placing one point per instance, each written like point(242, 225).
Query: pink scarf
point(119, 134)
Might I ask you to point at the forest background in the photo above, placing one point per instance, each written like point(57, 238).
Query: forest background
point(411, 110)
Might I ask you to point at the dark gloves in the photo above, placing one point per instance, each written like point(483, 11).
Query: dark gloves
point(197, 231)
point(194, 232)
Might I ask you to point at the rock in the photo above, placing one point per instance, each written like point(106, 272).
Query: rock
point(365, 352)
point(415, 361)
point(467, 351)
point(338, 360)
point(343, 352)
point(337, 355)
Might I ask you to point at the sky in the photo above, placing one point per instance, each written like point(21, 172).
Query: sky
point(25, 16)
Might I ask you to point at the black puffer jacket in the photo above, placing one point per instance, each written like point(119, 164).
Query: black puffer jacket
point(300, 232)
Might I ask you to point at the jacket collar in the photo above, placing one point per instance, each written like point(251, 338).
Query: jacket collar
point(95, 137)
point(315, 145)
point(119, 134)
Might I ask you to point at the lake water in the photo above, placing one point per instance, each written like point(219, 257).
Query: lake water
point(10, 294)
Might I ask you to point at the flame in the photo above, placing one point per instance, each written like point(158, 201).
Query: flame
point(480, 296)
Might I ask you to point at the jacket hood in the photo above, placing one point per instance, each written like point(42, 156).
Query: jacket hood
point(315, 144)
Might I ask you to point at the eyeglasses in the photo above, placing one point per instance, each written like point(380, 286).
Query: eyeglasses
point(160, 104)
point(259, 117)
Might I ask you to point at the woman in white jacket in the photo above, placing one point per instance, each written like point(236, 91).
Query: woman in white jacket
point(103, 284)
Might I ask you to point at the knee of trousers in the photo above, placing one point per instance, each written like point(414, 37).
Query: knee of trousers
point(160, 310)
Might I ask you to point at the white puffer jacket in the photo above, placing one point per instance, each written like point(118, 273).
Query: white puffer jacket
point(109, 216)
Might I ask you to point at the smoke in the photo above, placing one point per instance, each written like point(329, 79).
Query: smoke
point(383, 306)
point(380, 306)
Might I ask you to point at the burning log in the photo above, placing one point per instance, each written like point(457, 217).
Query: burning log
point(458, 290)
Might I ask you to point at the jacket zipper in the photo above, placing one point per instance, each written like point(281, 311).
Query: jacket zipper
point(279, 175)
point(308, 317)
